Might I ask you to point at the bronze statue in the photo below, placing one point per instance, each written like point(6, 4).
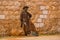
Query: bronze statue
point(25, 21)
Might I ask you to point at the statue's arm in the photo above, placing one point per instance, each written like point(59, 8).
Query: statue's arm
point(21, 17)
point(29, 15)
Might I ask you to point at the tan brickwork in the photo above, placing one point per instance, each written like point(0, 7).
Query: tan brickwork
point(12, 9)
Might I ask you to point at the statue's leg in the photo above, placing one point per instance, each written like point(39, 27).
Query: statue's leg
point(28, 28)
point(25, 30)
point(25, 33)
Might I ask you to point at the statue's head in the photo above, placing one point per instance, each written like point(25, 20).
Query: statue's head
point(25, 8)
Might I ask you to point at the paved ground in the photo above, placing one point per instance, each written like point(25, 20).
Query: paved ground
point(50, 37)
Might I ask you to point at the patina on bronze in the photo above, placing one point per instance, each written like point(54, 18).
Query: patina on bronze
point(27, 25)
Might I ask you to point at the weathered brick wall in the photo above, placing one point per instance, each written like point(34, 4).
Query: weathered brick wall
point(46, 15)
point(10, 9)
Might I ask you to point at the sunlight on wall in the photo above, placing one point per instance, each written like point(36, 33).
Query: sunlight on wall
point(2, 16)
point(42, 16)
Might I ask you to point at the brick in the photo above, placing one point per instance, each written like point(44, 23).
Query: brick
point(13, 8)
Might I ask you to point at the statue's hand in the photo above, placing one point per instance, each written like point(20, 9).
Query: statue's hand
point(21, 25)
